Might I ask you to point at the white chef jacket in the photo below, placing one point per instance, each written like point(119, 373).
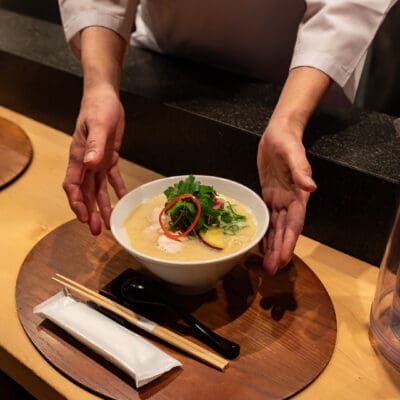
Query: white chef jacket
point(260, 38)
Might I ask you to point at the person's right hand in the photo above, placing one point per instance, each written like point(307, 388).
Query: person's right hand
point(94, 156)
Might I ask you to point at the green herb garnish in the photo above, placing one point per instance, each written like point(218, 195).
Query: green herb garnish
point(215, 212)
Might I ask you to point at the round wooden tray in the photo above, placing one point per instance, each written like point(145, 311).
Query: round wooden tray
point(285, 325)
point(15, 151)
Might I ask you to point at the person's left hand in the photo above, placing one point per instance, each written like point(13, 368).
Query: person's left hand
point(286, 183)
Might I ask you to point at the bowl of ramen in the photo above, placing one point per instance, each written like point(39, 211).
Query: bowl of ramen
point(189, 231)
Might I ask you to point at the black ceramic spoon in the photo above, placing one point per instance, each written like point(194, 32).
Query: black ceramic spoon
point(141, 290)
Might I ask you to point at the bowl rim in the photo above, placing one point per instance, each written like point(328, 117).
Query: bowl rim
point(255, 240)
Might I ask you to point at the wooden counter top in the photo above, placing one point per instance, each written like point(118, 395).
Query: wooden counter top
point(35, 204)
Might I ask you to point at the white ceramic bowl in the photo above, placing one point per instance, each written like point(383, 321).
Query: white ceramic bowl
point(189, 276)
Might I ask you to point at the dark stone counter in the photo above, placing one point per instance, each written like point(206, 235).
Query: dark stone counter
point(189, 118)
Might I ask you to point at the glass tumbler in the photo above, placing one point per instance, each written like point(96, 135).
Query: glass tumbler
point(385, 310)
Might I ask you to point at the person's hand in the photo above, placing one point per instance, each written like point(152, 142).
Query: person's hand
point(94, 156)
point(286, 183)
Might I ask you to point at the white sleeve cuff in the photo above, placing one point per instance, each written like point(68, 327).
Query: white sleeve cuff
point(74, 26)
point(330, 66)
point(335, 35)
point(322, 61)
point(347, 80)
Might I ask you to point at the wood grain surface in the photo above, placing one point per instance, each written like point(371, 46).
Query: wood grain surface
point(286, 325)
point(15, 151)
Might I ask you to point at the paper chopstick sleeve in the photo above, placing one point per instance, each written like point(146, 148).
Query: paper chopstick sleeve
point(128, 351)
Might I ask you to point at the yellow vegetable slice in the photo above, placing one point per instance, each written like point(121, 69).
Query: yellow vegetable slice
point(213, 237)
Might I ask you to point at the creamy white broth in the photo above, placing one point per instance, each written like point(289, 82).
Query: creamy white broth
point(146, 235)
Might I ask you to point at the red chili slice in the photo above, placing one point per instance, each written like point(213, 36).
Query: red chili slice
point(192, 225)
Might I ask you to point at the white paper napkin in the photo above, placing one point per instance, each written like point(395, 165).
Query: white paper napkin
point(122, 347)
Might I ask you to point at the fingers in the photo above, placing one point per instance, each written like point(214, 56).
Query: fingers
point(89, 195)
point(86, 195)
point(103, 199)
point(76, 201)
point(274, 241)
point(79, 185)
point(98, 155)
point(95, 145)
point(116, 181)
point(72, 183)
point(94, 223)
point(294, 226)
point(285, 228)
point(302, 178)
point(301, 170)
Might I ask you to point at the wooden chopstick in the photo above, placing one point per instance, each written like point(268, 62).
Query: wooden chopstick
point(157, 330)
